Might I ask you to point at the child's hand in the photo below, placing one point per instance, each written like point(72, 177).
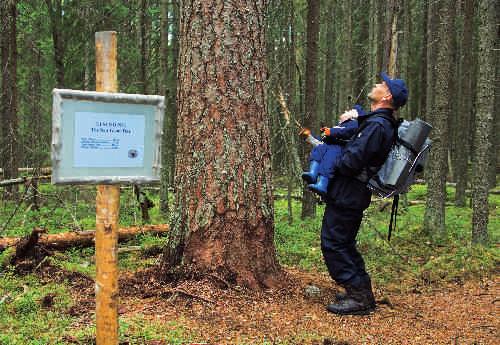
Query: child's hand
point(325, 131)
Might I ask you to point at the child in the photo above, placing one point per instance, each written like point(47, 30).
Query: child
point(323, 159)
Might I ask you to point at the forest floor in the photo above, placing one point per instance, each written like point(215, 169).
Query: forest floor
point(210, 312)
point(430, 290)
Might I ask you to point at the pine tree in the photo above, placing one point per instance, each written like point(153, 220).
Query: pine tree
point(223, 219)
point(485, 98)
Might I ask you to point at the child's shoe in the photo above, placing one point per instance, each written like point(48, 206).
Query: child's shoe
point(312, 175)
point(320, 187)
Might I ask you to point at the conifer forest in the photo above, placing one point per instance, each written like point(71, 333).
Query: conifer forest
point(218, 235)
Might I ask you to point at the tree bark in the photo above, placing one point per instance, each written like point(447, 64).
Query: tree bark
point(392, 67)
point(171, 111)
point(345, 89)
point(390, 12)
point(422, 104)
point(310, 119)
point(463, 129)
point(330, 115)
point(35, 90)
point(432, 45)
point(165, 171)
point(143, 25)
point(55, 14)
point(484, 120)
point(495, 128)
point(434, 220)
point(9, 150)
point(224, 207)
point(374, 30)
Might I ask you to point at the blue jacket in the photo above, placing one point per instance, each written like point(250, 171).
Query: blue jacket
point(341, 133)
point(361, 158)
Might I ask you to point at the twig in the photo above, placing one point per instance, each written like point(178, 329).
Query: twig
point(219, 278)
point(13, 213)
point(40, 264)
point(129, 249)
point(177, 291)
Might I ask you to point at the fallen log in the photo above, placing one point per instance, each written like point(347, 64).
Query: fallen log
point(85, 238)
point(23, 180)
point(43, 170)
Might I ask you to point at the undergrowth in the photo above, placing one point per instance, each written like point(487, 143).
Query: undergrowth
point(413, 259)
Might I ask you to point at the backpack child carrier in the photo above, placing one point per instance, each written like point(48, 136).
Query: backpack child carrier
point(407, 157)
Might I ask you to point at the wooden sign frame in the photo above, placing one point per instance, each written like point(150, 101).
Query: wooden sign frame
point(66, 103)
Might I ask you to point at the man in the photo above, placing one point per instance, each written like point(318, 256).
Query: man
point(348, 196)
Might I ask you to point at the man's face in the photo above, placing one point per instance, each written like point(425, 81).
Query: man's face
point(378, 92)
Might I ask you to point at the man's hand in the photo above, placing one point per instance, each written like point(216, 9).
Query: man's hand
point(325, 132)
point(350, 114)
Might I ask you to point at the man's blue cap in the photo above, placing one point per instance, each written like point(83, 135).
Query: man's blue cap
point(398, 90)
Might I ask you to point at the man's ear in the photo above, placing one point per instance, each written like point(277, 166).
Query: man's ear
point(388, 97)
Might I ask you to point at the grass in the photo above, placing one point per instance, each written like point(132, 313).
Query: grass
point(413, 259)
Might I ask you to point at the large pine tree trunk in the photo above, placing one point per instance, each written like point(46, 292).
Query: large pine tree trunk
point(223, 216)
point(438, 159)
point(310, 120)
point(485, 98)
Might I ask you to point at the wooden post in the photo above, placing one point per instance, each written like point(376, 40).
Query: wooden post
point(107, 212)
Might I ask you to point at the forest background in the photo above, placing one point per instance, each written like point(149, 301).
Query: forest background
point(323, 55)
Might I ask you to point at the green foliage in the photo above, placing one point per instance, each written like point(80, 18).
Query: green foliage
point(23, 319)
point(297, 244)
point(411, 258)
point(139, 330)
point(69, 208)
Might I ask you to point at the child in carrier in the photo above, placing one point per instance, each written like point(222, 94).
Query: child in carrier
point(324, 158)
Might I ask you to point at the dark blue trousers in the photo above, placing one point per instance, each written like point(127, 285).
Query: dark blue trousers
point(338, 244)
point(327, 155)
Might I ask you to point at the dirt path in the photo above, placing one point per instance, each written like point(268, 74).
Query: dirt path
point(457, 314)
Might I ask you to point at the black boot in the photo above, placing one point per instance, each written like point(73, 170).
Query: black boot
point(357, 301)
point(339, 296)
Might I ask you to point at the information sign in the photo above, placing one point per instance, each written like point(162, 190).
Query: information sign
point(103, 137)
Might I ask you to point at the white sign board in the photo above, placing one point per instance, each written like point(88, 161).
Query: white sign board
point(108, 140)
point(103, 137)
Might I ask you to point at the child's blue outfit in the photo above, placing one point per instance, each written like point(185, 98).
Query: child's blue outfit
point(324, 158)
